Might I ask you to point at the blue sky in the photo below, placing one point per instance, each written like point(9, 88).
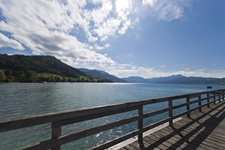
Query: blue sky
point(148, 38)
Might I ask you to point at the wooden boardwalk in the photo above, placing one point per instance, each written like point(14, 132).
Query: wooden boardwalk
point(203, 130)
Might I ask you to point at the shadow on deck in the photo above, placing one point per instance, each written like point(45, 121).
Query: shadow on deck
point(203, 130)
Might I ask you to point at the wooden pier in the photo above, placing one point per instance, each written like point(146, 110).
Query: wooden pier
point(201, 128)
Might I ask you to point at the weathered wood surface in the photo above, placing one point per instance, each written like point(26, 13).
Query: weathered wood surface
point(203, 130)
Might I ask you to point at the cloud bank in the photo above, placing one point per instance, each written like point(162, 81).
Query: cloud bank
point(5, 41)
point(78, 32)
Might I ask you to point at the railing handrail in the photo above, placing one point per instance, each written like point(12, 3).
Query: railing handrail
point(59, 119)
point(56, 116)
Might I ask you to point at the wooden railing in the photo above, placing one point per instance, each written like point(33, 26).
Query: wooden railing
point(60, 119)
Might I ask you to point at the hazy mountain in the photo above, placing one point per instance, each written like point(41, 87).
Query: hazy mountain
point(177, 79)
point(101, 75)
point(165, 79)
point(135, 79)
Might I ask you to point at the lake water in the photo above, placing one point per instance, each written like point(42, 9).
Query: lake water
point(25, 99)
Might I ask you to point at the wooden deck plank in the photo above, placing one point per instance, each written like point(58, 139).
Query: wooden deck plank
point(123, 148)
point(217, 132)
point(158, 143)
point(180, 138)
point(151, 142)
point(165, 143)
point(211, 135)
point(131, 147)
point(184, 141)
point(174, 140)
point(146, 144)
point(215, 135)
point(202, 137)
point(203, 131)
point(193, 140)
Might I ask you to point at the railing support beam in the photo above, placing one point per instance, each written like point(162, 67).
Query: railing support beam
point(140, 125)
point(214, 98)
point(208, 100)
point(200, 103)
point(170, 104)
point(223, 95)
point(56, 133)
point(188, 107)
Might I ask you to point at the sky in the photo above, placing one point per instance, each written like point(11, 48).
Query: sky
point(147, 38)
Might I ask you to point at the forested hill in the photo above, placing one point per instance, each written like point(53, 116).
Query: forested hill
point(17, 68)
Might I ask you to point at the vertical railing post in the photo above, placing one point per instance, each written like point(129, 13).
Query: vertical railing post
point(223, 95)
point(170, 104)
point(214, 98)
point(56, 133)
point(140, 124)
point(200, 103)
point(208, 100)
point(219, 97)
point(188, 106)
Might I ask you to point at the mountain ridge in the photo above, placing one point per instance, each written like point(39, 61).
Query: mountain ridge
point(176, 79)
point(35, 68)
point(16, 68)
point(101, 74)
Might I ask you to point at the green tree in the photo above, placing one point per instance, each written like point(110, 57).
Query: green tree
point(20, 78)
point(8, 72)
point(31, 76)
point(2, 75)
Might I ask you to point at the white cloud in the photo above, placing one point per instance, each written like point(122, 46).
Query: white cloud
point(5, 41)
point(99, 15)
point(125, 26)
point(111, 18)
point(101, 47)
point(107, 45)
point(45, 26)
point(108, 28)
point(166, 9)
point(149, 2)
point(123, 8)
